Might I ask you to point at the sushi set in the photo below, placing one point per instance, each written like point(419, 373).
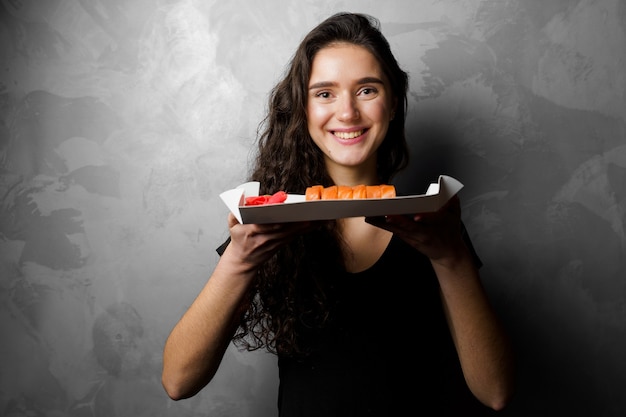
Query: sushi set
point(248, 207)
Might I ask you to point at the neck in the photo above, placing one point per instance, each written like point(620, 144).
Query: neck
point(355, 175)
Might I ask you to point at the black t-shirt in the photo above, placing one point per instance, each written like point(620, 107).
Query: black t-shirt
point(388, 352)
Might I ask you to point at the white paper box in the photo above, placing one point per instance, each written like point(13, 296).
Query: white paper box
point(295, 208)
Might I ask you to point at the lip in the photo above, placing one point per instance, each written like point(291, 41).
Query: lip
point(351, 140)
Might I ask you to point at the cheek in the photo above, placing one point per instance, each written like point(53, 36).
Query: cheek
point(317, 115)
point(380, 111)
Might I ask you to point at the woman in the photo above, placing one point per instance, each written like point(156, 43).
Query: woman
point(368, 316)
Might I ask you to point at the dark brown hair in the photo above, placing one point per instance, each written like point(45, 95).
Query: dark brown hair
point(295, 286)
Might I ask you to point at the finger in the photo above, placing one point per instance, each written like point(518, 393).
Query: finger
point(232, 220)
point(278, 232)
point(290, 230)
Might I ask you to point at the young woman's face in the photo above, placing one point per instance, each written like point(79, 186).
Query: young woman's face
point(349, 106)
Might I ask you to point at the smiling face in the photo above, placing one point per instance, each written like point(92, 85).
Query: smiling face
point(349, 107)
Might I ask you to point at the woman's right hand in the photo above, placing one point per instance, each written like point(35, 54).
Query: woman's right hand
point(254, 244)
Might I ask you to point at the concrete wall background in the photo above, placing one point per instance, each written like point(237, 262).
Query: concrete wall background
point(122, 121)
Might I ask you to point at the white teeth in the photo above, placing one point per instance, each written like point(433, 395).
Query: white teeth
point(349, 135)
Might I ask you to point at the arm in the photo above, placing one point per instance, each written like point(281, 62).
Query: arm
point(195, 347)
point(197, 343)
point(483, 347)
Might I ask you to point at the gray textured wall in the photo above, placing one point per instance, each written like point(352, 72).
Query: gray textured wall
point(122, 121)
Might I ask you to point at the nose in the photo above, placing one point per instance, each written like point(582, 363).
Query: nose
point(347, 109)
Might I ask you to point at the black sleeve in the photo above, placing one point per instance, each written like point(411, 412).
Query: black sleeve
point(220, 250)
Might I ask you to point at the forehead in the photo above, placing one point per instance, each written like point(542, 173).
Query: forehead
point(341, 60)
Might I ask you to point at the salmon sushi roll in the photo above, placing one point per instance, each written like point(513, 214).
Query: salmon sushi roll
point(344, 192)
point(387, 191)
point(313, 193)
point(329, 193)
point(359, 191)
point(373, 191)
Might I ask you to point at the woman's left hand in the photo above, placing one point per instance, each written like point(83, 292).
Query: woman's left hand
point(435, 234)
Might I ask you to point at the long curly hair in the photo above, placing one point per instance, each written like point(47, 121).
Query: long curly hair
point(294, 290)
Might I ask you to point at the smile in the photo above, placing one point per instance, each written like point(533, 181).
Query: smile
point(349, 135)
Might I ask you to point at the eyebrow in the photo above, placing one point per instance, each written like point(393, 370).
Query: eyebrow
point(365, 80)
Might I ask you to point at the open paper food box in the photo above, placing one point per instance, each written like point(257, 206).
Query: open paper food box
point(295, 208)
